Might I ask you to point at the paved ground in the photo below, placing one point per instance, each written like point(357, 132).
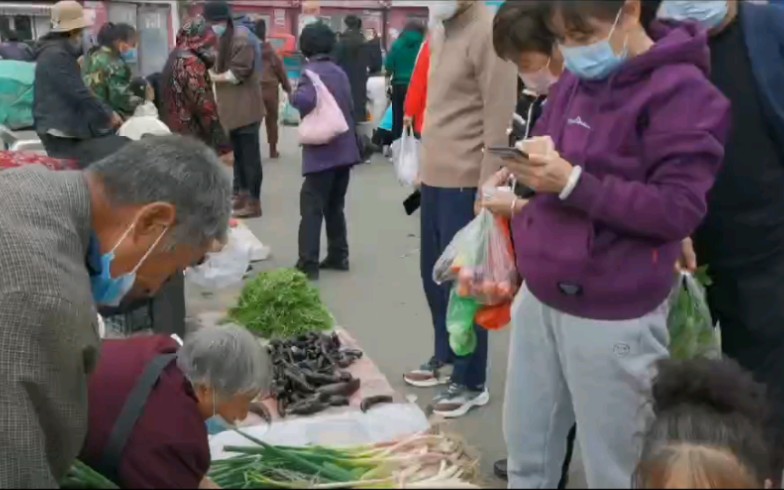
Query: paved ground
point(380, 301)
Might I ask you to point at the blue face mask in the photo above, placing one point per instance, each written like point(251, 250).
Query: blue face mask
point(219, 29)
point(595, 61)
point(131, 55)
point(217, 424)
point(708, 13)
point(108, 290)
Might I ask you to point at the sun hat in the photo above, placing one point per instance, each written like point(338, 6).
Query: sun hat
point(67, 16)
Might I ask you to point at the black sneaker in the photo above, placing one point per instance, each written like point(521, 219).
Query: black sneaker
point(311, 272)
point(334, 265)
point(499, 468)
point(428, 375)
point(457, 400)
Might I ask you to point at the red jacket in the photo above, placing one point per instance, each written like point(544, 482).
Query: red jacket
point(416, 98)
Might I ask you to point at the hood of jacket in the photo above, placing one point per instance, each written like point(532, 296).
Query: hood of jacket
point(676, 44)
point(54, 42)
point(410, 39)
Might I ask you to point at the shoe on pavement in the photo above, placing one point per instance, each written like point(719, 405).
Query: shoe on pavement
point(428, 375)
point(499, 468)
point(251, 210)
point(334, 265)
point(311, 272)
point(458, 400)
point(239, 201)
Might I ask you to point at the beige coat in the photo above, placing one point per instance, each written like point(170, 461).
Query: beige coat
point(240, 104)
point(471, 96)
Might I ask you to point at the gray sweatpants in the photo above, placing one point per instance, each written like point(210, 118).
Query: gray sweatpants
point(564, 369)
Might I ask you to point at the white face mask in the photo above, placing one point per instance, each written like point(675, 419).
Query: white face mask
point(540, 81)
point(442, 10)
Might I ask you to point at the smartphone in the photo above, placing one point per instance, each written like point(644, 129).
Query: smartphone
point(412, 202)
point(507, 152)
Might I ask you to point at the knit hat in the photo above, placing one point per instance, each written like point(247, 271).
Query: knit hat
point(217, 11)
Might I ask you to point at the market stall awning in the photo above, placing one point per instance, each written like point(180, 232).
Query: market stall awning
point(25, 8)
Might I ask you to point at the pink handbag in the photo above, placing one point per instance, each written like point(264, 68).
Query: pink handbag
point(326, 121)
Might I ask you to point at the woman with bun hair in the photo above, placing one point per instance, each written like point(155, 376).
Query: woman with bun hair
point(709, 428)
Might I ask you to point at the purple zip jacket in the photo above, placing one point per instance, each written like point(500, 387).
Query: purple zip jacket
point(650, 140)
point(343, 151)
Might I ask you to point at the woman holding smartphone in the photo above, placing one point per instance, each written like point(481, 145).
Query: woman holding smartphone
point(626, 150)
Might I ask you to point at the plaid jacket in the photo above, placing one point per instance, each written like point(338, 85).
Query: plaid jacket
point(48, 324)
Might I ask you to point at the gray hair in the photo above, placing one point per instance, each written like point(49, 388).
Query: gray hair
point(178, 170)
point(226, 358)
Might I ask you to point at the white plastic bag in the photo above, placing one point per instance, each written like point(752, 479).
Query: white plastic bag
point(258, 250)
point(405, 153)
point(326, 121)
point(222, 269)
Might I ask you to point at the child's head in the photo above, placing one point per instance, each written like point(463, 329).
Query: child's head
point(694, 466)
point(138, 87)
point(709, 430)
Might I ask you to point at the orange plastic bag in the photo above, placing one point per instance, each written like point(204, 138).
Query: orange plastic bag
point(494, 317)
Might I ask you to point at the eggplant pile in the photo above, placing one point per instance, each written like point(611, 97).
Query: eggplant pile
point(308, 373)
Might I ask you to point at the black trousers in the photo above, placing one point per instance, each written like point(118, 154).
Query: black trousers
point(64, 148)
point(323, 198)
point(248, 172)
point(398, 109)
point(748, 303)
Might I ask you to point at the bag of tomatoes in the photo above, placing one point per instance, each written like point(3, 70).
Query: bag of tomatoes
point(480, 260)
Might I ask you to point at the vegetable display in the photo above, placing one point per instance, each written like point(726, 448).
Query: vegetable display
point(281, 304)
point(691, 328)
point(428, 460)
point(82, 476)
point(308, 374)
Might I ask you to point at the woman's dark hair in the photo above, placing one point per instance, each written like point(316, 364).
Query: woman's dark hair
point(708, 403)
point(353, 22)
point(576, 13)
point(316, 38)
point(138, 87)
point(522, 26)
point(224, 47)
point(414, 26)
point(12, 35)
point(261, 29)
point(111, 33)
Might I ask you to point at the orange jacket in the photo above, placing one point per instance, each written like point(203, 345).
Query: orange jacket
point(416, 97)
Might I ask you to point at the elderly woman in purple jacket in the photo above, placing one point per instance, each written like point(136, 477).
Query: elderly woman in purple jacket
point(326, 168)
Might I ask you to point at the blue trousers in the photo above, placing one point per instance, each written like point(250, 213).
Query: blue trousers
point(444, 211)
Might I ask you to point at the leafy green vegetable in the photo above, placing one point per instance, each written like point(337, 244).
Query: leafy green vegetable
point(281, 304)
point(692, 333)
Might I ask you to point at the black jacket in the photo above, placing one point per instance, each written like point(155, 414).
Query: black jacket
point(352, 54)
point(62, 101)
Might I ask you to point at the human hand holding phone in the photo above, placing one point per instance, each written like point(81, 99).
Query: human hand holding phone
point(539, 166)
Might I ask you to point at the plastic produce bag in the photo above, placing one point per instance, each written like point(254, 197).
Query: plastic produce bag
point(460, 323)
point(225, 268)
point(480, 258)
point(405, 153)
point(692, 333)
point(16, 94)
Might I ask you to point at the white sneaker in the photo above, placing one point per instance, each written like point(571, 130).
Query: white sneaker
point(428, 375)
point(458, 400)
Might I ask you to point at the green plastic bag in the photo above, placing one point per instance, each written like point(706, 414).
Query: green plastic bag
point(460, 323)
point(691, 328)
point(16, 94)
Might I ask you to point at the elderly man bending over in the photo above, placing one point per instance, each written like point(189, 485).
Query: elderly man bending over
point(163, 440)
point(69, 240)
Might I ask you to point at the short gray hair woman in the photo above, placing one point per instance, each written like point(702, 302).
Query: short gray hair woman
point(228, 369)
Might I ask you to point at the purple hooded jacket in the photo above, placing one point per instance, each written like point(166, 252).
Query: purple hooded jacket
point(343, 151)
point(650, 140)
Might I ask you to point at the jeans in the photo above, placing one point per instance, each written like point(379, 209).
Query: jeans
point(398, 109)
point(247, 159)
point(444, 212)
point(323, 198)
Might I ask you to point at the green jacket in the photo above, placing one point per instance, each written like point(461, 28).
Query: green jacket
point(402, 57)
point(109, 77)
